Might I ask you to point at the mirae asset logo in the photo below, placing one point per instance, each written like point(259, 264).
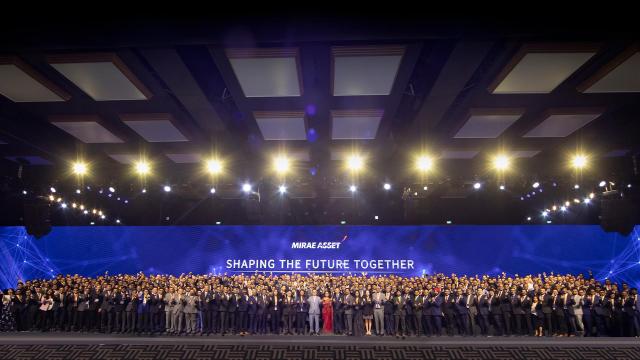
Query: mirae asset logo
point(318, 245)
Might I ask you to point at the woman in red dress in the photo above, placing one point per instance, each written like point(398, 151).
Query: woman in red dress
point(327, 314)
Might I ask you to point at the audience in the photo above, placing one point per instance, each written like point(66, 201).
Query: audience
point(260, 303)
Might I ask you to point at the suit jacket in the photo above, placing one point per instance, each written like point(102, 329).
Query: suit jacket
point(252, 305)
point(435, 305)
point(314, 305)
point(83, 303)
point(448, 306)
point(483, 305)
point(168, 305)
point(191, 304)
point(495, 303)
point(576, 306)
point(461, 305)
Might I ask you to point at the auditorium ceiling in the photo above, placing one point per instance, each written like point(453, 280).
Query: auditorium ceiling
point(178, 92)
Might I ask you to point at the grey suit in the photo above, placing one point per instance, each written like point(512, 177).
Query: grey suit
point(168, 309)
point(378, 311)
point(314, 312)
point(178, 313)
point(349, 301)
point(190, 310)
point(577, 311)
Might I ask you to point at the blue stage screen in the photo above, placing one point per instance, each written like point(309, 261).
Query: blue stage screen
point(407, 250)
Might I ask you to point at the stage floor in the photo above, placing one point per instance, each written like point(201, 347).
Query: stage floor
point(96, 346)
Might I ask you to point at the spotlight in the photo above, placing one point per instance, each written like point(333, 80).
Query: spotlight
point(425, 188)
point(282, 189)
point(375, 217)
point(536, 185)
point(79, 168)
point(281, 164)
point(545, 213)
point(74, 205)
point(592, 195)
point(78, 191)
point(24, 192)
point(477, 186)
point(213, 190)
point(587, 200)
point(343, 222)
point(100, 213)
point(142, 167)
point(424, 163)
point(576, 186)
point(567, 204)
point(501, 162)
point(448, 222)
point(144, 191)
point(502, 187)
point(218, 222)
point(52, 189)
point(111, 189)
point(63, 205)
point(602, 183)
point(353, 188)
point(167, 188)
point(549, 221)
point(579, 161)
point(117, 221)
point(387, 186)
point(51, 198)
point(629, 186)
point(528, 218)
point(81, 207)
point(85, 212)
point(59, 200)
point(554, 208)
point(246, 187)
point(576, 201)
point(213, 166)
point(355, 163)
point(563, 208)
point(92, 223)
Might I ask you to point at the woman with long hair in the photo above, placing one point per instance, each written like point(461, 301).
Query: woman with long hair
point(367, 312)
point(327, 314)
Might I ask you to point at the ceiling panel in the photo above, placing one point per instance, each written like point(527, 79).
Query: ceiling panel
point(31, 159)
point(617, 153)
point(563, 122)
point(524, 153)
point(458, 154)
point(154, 127)
point(103, 76)
point(276, 125)
point(540, 68)
point(126, 159)
point(191, 158)
point(355, 124)
point(488, 123)
point(620, 75)
point(369, 70)
point(267, 72)
point(86, 128)
point(19, 82)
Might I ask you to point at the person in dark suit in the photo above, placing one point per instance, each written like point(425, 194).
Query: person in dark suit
point(418, 306)
point(495, 310)
point(349, 303)
point(507, 309)
point(118, 311)
point(223, 306)
point(518, 310)
point(243, 308)
point(275, 311)
point(462, 312)
point(288, 313)
point(448, 309)
point(560, 323)
point(399, 314)
point(472, 305)
point(388, 312)
point(252, 309)
point(546, 301)
point(302, 312)
point(232, 311)
point(205, 303)
point(338, 312)
point(261, 312)
point(588, 314)
point(483, 313)
point(144, 304)
point(436, 311)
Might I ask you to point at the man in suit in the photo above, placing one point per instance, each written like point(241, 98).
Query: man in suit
point(507, 309)
point(205, 302)
point(169, 304)
point(378, 310)
point(547, 310)
point(495, 310)
point(178, 311)
point(243, 307)
point(388, 312)
point(462, 312)
point(449, 311)
point(472, 303)
point(483, 312)
point(130, 311)
point(83, 307)
point(399, 314)
point(144, 311)
point(275, 311)
point(302, 312)
point(106, 310)
point(519, 314)
point(252, 309)
point(190, 311)
point(588, 313)
point(232, 311)
point(636, 311)
point(261, 312)
point(288, 312)
point(118, 311)
point(559, 305)
point(314, 302)
point(223, 305)
point(436, 311)
point(155, 307)
point(338, 312)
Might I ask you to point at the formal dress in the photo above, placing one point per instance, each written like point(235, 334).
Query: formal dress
point(327, 316)
point(7, 318)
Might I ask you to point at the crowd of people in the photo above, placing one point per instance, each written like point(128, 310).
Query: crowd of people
point(313, 304)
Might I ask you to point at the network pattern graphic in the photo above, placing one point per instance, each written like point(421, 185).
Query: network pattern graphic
point(21, 259)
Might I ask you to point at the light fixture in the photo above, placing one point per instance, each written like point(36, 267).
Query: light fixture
point(502, 187)
point(74, 205)
point(144, 191)
point(246, 187)
point(112, 189)
point(52, 189)
point(281, 164)
point(579, 161)
point(424, 163)
point(213, 166)
point(425, 188)
point(167, 188)
point(629, 186)
point(81, 207)
point(448, 222)
point(501, 162)
point(375, 217)
point(78, 191)
point(592, 195)
point(63, 205)
point(218, 222)
point(528, 218)
point(576, 186)
point(554, 208)
point(602, 183)
point(85, 212)
point(213, 190)
point(142, 167)
point(477, 186)
point(587, 200)
point(353, 188)
point(282, 189)
point(355, 162)
point(545, 213)
point(343, 222)
point(117, 221)
point(103, 217)
point(563, 208)
point(79, 168)
point(567, 204)
point(535, 185)
point(24, 192)
point(386, 186)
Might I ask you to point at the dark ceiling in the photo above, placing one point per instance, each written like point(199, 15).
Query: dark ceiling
point(447, 70)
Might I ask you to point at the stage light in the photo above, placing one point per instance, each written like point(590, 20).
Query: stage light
point(111, 189)
point(126, 201)
point(142, 167)
point(602, 183)
point(213, 166)
point(52, 189)
point(387, 186)
point(501, 162)
point(24, 192)
point(502, 187)
point(448, 222)
point(281, 164)
point(78, 191)
point(355, 162)
point(545, 213)
point(576, 201)
point(81, 207)
point(554, 208)
point(63, 205)
point(100, 191)
point(343, 222)
point(567, 204)
point(117, 221)
point(218, 222)
point(144, 191)
point(587, 200)
point(79, 168)
point(100, 213)
point(548, 221)
point(59, 200)
point(477, 186)
point(85, 212)
point(424, 163)
point(375, 217)
point(563, 208)
point(579, 161)
point(425, 188)
point(246, 188)
point(282, 189)
point(528, 218)
point(167, 188)
point(535, 185)
point(576, 186)
point(629, 186)
point(353, 188)
point(94, 211)
point(52, 198)
point(102, 217)
point(74, 205)
point(213, 190)
point(592, 195)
